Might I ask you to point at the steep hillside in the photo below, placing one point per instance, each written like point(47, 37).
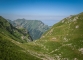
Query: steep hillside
point(69, 28)
point(20, 34)
point(35, 27)
point(10, 51)
point(64, 41)
point(9, 40)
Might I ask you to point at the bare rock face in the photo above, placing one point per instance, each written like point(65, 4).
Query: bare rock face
point(77, 26)
point(35, 27)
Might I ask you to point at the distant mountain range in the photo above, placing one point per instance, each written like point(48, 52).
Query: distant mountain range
point(35, 27)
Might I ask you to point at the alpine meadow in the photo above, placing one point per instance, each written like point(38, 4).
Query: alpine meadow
point(41, 30)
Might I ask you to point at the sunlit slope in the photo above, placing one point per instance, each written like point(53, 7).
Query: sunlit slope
point(10, 48)
point(64, 41)
point(69, 28)
point(10, 51)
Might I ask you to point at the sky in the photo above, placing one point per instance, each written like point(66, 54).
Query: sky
point(48, 11)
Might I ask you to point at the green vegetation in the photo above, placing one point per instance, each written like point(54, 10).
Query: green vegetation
point(10, 51)
point(9, 40)
point(63, 41)
point(18, 34)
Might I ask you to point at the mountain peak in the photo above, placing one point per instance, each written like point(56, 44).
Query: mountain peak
point(35, 27)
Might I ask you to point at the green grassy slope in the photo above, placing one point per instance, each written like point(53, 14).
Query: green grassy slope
point(9, 43)
point(10, 51)
point(64, 41)
point(20, 34)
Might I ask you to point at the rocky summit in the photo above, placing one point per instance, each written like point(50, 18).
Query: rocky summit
point(35, 27)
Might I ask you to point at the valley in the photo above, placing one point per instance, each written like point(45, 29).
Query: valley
point(62, 41)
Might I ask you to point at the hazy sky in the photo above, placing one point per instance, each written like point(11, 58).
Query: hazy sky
point(48, 11)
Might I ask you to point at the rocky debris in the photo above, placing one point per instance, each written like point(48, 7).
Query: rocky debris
point(75, 59)
point(77, 26)
point(42, 36)
point(75, 18)
point(65, 39)
point(53, 38)
point(81, 50)
point(62, 21)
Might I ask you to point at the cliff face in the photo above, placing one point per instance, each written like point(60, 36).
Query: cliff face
point(35, 27)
